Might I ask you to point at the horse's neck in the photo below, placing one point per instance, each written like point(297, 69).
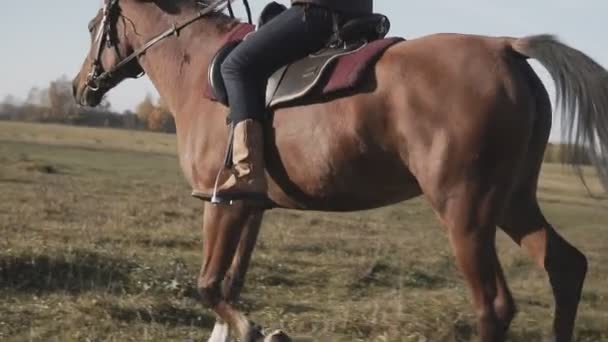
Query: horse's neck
point(178, 64)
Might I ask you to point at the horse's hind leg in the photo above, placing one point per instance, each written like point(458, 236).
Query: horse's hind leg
point(504, 305)
point(565, 265)
point(222, 230)
point(524, 222)
point(235, 278)
point(469, 218)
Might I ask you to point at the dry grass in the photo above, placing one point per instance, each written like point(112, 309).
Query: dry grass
point(99, 241)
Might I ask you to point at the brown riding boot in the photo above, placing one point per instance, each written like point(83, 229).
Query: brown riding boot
point(248, 179)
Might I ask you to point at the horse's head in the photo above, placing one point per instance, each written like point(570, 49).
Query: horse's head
point(109, 59)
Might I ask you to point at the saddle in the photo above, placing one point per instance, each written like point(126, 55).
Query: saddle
point(339, 67)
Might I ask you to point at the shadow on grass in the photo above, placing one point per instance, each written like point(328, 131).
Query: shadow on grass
point(163, 243)
point(43, 168)
point(380, 273)
point(465, 331)
point(73, 273)
point(164, 314)
point(590, 335)
point(17, 181)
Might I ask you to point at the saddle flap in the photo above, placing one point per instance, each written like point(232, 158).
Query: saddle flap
point(299, 78)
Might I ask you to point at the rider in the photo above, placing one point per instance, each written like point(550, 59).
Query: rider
point(300, 30)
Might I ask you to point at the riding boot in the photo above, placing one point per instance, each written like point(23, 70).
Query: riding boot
point(248, 178)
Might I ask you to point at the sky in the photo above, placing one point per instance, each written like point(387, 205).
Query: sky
point(42, 40)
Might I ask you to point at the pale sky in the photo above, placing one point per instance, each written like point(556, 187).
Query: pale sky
point(42, 40)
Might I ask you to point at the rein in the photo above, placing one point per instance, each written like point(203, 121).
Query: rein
point(96, 79)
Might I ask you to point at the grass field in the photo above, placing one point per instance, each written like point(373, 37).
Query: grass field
point(100, 241)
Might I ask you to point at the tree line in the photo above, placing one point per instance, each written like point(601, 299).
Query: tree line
point(55, 104)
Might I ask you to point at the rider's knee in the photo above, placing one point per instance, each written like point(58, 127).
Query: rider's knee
point(233, 67)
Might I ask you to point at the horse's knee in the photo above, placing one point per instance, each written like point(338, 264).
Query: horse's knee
point(231, 288)
point(505, 311)
point(210, 292)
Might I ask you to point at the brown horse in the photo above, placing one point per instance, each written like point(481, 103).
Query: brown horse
point(460, 119)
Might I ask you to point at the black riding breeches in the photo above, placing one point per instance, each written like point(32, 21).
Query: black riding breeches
point(291, 35)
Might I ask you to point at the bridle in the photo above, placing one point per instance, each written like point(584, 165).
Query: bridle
point(106, 36)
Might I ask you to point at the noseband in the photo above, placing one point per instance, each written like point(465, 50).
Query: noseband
point(107, 36)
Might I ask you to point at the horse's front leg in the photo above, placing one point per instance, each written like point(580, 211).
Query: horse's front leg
point(223, 229)
point(235, 279)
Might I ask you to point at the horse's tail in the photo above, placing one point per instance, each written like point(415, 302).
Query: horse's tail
point(581, 94)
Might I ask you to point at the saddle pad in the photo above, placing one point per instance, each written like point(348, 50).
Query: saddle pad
point(326, 73)
point(349, 69)
point(296, 80)
point(338, 69)
point(238, 32)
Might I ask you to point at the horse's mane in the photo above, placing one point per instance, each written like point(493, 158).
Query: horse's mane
point(202, 3)
point(222, 20)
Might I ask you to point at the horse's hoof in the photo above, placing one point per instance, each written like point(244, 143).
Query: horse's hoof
point(277, 336)
point(220, 333)
point(254, 334)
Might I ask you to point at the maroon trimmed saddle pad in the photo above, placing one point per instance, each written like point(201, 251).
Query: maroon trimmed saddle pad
point(327, 72)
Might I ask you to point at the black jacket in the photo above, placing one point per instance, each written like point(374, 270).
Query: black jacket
point(347, 6)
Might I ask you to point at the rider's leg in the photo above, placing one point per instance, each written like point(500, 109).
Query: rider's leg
point(291, 35)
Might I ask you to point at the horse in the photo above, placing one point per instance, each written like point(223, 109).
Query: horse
point(460, 119)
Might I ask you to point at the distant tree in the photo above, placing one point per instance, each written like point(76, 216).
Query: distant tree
point(10, 100)
point(8, 107)
point(160, 119)
point(129, 120)
point(145, 108)
point(37, 97)
point(104, 106)
point(34, 108)
point(61, 100)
